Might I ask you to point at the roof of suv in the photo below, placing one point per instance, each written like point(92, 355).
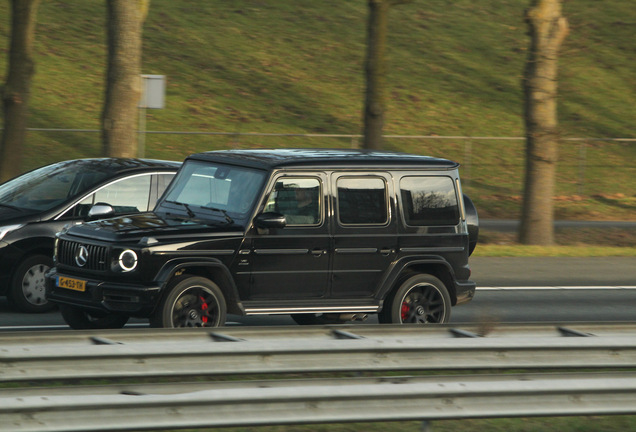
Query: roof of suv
point(273, 158)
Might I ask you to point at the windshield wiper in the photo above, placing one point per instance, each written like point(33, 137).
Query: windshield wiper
point(227, 216)
point(186, 206)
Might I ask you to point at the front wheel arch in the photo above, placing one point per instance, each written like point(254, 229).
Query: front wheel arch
point(211, 269)
point(26, 286)
point(190, 301)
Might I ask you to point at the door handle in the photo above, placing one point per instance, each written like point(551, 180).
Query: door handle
point(318, 252)
point(386, 252)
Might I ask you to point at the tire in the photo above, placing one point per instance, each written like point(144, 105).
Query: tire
point(27, 290)
point(316, 319)
point(421, 299)
point(80, 319)
point(190, 301)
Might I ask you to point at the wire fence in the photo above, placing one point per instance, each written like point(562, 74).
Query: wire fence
point(492, 166)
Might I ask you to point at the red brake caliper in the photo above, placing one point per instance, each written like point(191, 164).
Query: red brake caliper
point(404, 311)
point(204, 306)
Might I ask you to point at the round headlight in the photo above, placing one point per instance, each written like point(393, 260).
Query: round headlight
point(128, 260)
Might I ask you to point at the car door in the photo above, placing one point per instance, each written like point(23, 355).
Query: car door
point(365, 228)
point(291, 262)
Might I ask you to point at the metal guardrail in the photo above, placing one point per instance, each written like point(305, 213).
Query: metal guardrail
point(594, 375)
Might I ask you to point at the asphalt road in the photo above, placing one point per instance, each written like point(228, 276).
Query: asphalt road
point(510, 290)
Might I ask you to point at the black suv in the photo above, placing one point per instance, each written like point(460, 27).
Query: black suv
point(327, 236)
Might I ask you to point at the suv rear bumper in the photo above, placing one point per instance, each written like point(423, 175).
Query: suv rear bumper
point(465, 291)
point(128, 299)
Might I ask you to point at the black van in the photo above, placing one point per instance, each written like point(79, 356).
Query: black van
point(326, 236)
point(36, 205)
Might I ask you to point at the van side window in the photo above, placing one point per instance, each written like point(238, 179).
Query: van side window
point(429, 201)
point(362, 201)
point(130, 195)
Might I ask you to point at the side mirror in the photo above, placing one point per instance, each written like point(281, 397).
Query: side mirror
point(270, 220)
point(101, 211)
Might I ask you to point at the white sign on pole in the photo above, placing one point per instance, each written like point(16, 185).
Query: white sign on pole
point(153, 91)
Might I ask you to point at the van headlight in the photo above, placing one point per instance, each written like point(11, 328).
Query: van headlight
point(55, 246)
point(127, 260)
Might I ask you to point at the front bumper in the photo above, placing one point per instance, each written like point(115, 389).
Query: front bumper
point(126, 299)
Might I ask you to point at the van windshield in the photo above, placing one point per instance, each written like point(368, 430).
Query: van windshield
point(207, 190)
point(44, 188)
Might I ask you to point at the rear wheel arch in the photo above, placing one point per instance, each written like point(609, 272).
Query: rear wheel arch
point(420, 299)
point(439, 269)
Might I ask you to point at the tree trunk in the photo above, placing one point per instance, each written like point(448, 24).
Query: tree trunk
point(17, 90)
point(375, 69)
point(123, 80)
point(547, 30)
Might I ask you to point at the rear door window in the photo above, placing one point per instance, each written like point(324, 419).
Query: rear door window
point(362, 201)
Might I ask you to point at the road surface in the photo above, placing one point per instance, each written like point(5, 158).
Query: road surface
point(510, 290)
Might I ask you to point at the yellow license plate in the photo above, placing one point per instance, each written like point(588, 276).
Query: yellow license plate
point(69, 283)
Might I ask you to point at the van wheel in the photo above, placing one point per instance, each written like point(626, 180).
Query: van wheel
point(421, 299)
point(190, 301)
point(80, 319)
point(26, 293)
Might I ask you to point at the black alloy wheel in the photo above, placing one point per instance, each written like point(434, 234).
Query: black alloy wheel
point(421, 299)
point(191, 301)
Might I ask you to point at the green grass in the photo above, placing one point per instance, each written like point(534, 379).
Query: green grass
point(297, 67)
point(489, 250)
point(569, 242)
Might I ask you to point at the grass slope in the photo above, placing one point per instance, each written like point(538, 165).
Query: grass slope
point(297, 67)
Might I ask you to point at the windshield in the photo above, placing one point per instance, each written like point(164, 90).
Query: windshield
point(209, 190)
point(44, 188)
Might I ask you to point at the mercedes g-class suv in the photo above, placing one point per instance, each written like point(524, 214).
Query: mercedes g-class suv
point(326, 236)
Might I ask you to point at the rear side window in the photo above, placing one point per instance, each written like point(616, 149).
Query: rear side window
point(362, 201)
point(429, 201)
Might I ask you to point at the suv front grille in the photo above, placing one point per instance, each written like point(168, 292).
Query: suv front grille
point(95, 259)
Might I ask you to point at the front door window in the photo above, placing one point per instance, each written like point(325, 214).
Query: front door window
point(298, 199)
